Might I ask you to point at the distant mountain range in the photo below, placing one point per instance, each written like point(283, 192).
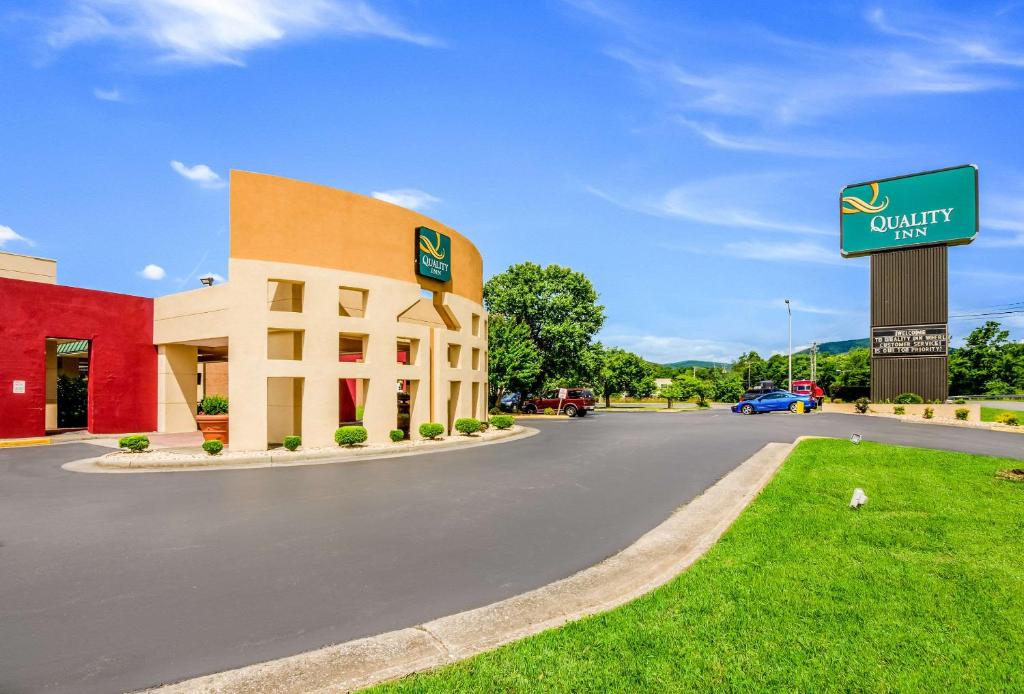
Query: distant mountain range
point(690, 363)
point(839, 346)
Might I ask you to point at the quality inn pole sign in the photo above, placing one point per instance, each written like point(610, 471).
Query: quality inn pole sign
point(930, 208)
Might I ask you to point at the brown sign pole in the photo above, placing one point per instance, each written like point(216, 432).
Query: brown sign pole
point(909, 315)
point(906, 225)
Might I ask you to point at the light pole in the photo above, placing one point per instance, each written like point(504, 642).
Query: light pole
point(789, 311)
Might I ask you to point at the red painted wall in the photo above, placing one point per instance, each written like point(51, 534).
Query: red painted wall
point(122, 361)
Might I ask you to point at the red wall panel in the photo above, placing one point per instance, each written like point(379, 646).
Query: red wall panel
point(122, 361)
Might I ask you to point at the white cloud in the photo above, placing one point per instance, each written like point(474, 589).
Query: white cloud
point(798, 252)
point(407, 197)
point(741, 202)
point(107, 94)
point(808, 147)
point(221, 31)
point(666, 349)
point(8, 234)
point(153, 272)
point(200, 173)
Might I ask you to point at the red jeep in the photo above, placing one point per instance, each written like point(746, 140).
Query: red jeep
point(577, 402)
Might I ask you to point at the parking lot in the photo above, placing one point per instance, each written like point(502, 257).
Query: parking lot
point(115, 582)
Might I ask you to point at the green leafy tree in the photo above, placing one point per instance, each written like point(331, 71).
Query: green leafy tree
point(624, 372)
point(672, 391)
point(986, 356)
point(513, 359)
point(559, 306)
point(692, 387)
point(727, 389)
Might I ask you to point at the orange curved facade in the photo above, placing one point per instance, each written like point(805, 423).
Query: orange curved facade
point(283, 220)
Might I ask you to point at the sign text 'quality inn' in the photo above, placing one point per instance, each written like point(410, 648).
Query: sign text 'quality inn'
point(433, 254)
point(935, 207)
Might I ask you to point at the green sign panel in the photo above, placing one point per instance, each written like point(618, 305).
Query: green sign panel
point(433, 254)
point(930, 208)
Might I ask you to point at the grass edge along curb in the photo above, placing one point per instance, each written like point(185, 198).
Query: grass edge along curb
point(922, 560)
point(654, 559)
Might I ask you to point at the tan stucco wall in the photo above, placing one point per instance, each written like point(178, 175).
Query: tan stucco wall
point(322, 240)
point(26, 267)
point(282, 220)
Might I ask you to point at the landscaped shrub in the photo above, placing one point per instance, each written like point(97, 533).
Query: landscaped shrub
point(136, 443)
point(503, 421)
point(214, 404)
point(861, 405)
point(467, 425)
point(397, 435)
point(292, 442)
point(899, 409)
point(1008, 418)
point(929, 412)
point(959, 401)
point(961, 413)
point(549, 411)
point(431, 430)
point(350, 435)
point(909, 399)
point(484, 425)
point(495, 410)
point(837, 401)
point(213, 446)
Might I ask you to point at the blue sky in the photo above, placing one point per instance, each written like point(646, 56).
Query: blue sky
point(687, 157)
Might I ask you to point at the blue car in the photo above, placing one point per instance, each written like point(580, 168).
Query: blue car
point(776, 401)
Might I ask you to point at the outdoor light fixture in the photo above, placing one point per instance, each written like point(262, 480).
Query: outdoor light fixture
point(207, 280)
point(858, 499)
point(855, 439)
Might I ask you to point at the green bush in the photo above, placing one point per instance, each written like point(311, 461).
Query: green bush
point(213, 446)
point(929, 412)
point(961, 413)
point(909, 399)
point(549, 411)
point(431, 430)
point(495, 410)
point(1009, 419)
point(959, 401)
point(484, 425)
point(397, 435)
point(467, 425)
point(292, 442)
point(350, 435)
point(861, 405)
point(136, 443)
point(837, 401)
point(503, 421)
point(214, 404)
point(899, 409)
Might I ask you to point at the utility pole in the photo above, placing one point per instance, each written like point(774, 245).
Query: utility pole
point(789, 311)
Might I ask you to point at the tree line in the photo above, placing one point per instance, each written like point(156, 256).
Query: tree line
point(543, 323)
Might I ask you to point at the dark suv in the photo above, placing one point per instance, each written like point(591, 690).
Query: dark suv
point(577, 403)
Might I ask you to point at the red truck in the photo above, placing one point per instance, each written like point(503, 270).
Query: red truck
point(576, 403)
point(810, 389)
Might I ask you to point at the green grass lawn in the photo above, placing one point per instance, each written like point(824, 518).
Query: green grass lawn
point(921, 590)
point(991, 414)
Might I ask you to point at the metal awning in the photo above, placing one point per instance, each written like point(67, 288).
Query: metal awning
point(78, 347)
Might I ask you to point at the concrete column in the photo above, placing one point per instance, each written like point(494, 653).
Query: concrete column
point(176, 388)
point(51, 384)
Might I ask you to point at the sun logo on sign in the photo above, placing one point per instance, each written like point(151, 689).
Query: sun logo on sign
point(856, 205)
point(432, 248)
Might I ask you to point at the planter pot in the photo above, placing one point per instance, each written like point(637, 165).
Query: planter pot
point(213, 426)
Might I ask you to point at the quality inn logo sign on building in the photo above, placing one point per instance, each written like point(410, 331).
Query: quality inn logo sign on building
point(935, 207)
point(433, 254)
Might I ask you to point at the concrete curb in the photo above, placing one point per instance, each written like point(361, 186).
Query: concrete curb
point(648, 563)
point(288, 459)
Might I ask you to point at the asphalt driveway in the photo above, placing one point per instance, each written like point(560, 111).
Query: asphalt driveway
point(122, 581)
